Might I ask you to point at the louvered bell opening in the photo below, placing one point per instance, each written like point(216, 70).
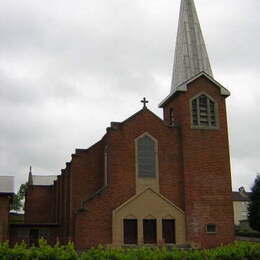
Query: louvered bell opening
point(194, 112)
point(203, 107)
point(203, 101)
point(212, 113)
point(146, 157)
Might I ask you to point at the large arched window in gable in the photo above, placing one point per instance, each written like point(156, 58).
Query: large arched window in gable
point(146, 157)
point(204, 112)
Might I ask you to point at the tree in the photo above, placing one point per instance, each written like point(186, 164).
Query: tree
point(254, 206)
point(18, 198)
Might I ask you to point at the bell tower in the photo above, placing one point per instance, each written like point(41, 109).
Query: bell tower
point(196, 106)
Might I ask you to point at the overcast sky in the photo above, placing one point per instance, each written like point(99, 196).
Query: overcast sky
point(68, 68)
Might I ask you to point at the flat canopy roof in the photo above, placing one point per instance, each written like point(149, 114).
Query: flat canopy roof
point(7, 184)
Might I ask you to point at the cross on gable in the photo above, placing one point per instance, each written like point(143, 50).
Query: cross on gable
point(144, 101)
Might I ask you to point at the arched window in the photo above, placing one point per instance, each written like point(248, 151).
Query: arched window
point(204, 112)
point(146, 157)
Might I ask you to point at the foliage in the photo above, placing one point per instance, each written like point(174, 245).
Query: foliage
point(254, 206)
point(248, 234)
point(236, 251)
point(18, 198)
point(44, 251)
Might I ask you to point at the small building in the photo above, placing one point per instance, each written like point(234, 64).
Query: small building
point(241, 200)
point(39, 220)
point(6, 196)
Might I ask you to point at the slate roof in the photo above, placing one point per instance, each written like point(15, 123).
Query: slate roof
point(237, 196)
point(191, 55)
point(43, 180)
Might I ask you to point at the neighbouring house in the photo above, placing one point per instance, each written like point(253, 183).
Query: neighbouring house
point(241, 200)
point(148, 181)
point(6, 196)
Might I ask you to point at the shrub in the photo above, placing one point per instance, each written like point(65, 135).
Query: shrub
point(236, 251)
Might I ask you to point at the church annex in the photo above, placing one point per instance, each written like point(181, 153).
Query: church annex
point(148, 180)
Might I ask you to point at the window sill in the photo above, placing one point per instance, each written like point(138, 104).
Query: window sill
point(205, 127)
point(152, 178)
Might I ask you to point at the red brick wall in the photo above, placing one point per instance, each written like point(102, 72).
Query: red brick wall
point(194, 174)
point(64, 205)
point(40, 204)
point(94, 226)
point(21, 233)
point(4, 217)
point(206, 165)
point(87, 173)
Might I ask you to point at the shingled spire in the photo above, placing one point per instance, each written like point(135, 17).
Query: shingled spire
point(191, 55)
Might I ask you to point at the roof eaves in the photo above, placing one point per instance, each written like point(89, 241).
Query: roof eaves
point(183, 87)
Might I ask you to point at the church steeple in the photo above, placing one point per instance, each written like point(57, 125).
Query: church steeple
point(191, 55)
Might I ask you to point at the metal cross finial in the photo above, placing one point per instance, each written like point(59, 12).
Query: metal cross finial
point(144, 101)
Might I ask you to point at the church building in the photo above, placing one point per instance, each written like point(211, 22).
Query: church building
point(148, 181)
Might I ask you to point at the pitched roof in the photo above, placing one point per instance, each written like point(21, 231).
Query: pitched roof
point(191, 58)
point(43, 180)
point(183, 87)
point(191, 55)
point(6, 184)
point(238, 196)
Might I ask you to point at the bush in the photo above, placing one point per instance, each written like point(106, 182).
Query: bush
point(236, 251)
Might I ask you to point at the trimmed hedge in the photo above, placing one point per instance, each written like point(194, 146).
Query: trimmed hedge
point(236, 251)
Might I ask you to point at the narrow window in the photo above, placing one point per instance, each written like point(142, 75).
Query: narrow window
point(130, 231)
point(211, 229)
point(149, 231)
point(172, 119)
point(203, 112)
point(146, 157)
point(168, 231)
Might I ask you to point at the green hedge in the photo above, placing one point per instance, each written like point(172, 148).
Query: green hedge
point(236, 251)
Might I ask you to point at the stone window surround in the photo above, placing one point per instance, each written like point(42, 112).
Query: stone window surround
point(216, 113)
point(157, 206)
point(156, 154)
point(144, 182)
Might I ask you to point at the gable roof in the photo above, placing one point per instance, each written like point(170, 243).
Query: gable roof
point(145, 109)
point(115, 125)
point(144, 191)
point(183, 87)
point(43, 180)
point(237, 196)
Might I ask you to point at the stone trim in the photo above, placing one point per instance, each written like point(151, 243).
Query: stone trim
point(143, 183)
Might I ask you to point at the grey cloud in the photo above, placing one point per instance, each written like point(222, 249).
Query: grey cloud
point(68, 68)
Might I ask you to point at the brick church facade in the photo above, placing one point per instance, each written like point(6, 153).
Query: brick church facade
point(148, 180)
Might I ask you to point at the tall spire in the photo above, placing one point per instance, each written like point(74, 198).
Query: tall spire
point(30, 179)
point(191, 55)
